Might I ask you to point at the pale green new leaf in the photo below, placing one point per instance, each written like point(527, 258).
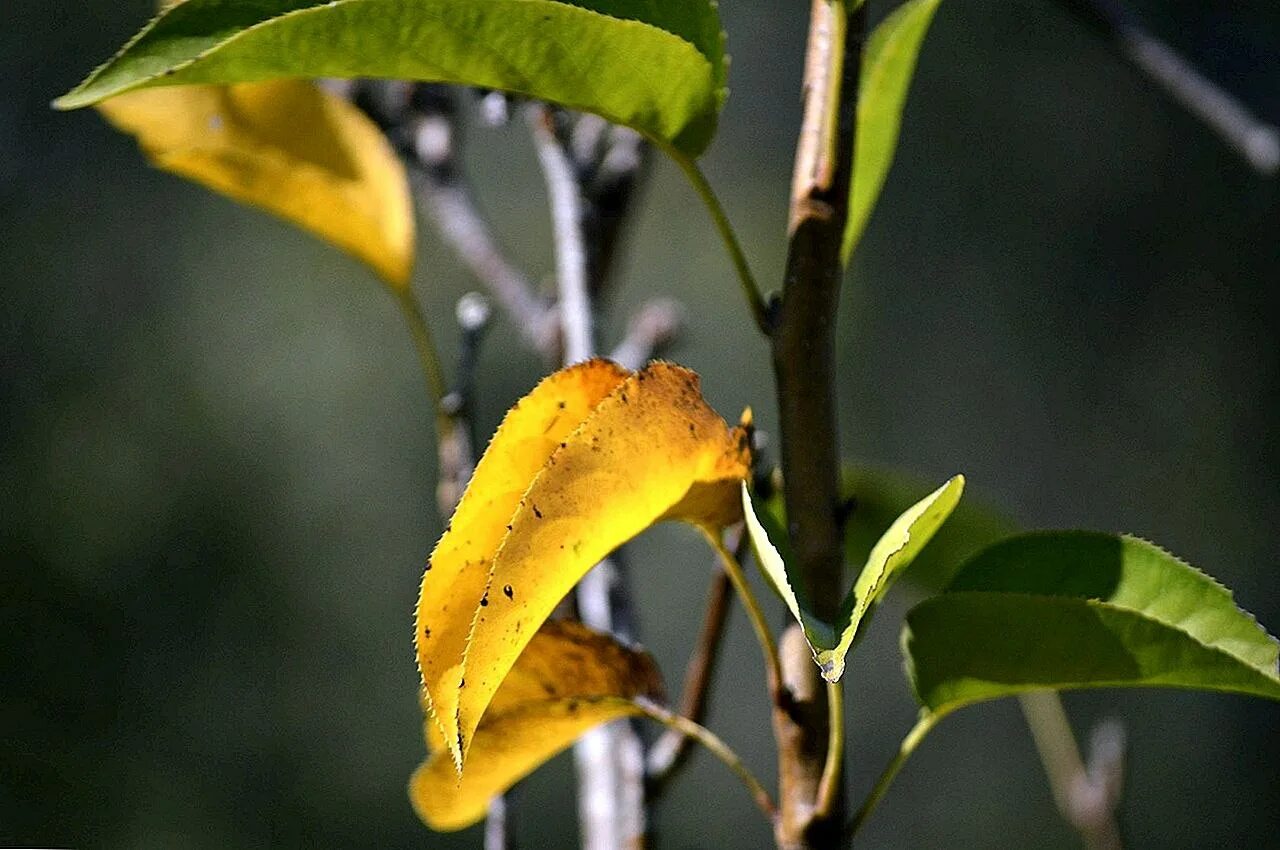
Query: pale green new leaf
point(1063, 610)
point(656, 66)
point(895, 549)
point(888, 63)
point(879, 495)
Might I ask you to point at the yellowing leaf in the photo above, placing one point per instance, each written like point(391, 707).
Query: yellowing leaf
point(588, 460)
point(894, 551)
point(289, 148)
point(458, 573)
point(568, 679)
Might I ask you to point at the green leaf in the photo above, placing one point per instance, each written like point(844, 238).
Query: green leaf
point(880, 495)
point(1060, 610)
point(655, 65)
point(891, 554)
point(888, 63)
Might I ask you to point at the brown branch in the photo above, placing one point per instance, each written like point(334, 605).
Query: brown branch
point(803, 342)
point(669, 753)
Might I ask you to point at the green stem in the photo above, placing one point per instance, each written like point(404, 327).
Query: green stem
point(428, 358)
point(829, 785)
point(750, 288)
point(755, 613)
point(714, 745)
point(923, 727)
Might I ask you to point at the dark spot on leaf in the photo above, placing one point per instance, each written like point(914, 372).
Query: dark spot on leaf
point(508, 528)
point(572, 707)
point(560, 405)
point(537, 512)
point(484, 601)
point(511, 594)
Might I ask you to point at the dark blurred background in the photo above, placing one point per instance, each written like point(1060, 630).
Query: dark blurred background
point(216, 462)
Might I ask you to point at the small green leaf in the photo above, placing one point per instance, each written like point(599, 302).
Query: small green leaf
point(1062, 610)
point(888, 64)
point(880, 495)
point(655, 65)
point(895, 549)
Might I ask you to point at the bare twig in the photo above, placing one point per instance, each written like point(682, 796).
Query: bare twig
point(499, 826)
point(577, 322)
point(609, 189)
point(457, 455)
point(1257, 142)
point(651, 329)
point(421, 120)
point(610, 758)
point(1086, 796)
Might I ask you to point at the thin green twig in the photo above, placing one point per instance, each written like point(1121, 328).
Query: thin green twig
point(923, 726)
point(750, 288)
point(428, 357)
point(755, 613)
point(714, 745)
point(829, 784)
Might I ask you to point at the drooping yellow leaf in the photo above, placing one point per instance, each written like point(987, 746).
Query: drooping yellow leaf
point(290, 148)
point(646, 449)
point(568, 679)
point(458, 572)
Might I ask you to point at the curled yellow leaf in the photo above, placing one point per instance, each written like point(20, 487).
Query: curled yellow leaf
point(589, 459)
point(568, 679)
point(290, 148)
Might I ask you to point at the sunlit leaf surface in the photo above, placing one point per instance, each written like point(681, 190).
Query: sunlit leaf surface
point(655, 65)
point(589, 459)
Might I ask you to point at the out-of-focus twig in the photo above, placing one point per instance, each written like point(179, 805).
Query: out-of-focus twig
point(1253, 139)
point(577, 319)
point(421, 120)
point(1086, 794)
point(650, 330)
point(610, 758)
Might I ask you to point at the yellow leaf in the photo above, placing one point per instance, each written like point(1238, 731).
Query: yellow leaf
point(289, 148)
point(559, 488)
point(552, 695)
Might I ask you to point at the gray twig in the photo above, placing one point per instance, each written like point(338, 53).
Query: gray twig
point(610, 758)
point(421, 120)
point(1086, 795)
point(650, 330)
point(577, 322)
point(1257, 142)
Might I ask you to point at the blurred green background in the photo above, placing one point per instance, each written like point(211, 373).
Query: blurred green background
point(216, 462)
